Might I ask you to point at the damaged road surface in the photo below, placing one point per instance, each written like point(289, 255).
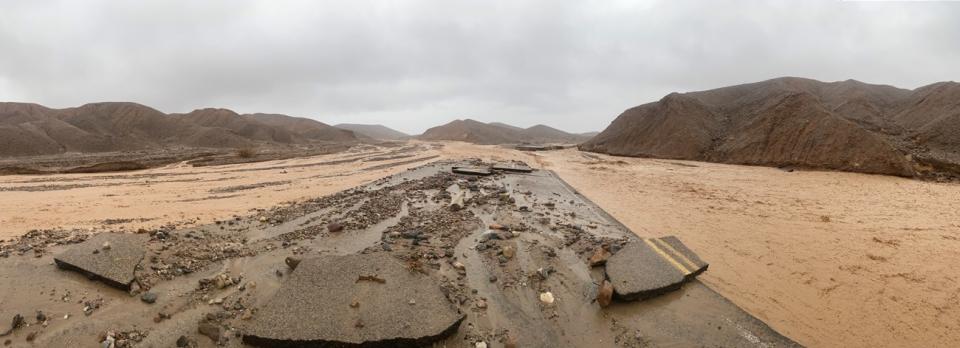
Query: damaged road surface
point(652, 266)
point(353, 300)
point(108, 257)
point(484, 255)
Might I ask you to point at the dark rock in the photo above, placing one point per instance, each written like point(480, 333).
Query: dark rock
point(183, 341)
point(334, 227)
point(149, 297)
point(292, 262)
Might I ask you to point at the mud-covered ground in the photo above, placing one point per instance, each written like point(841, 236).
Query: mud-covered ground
point(826, 258)
point(493, 244)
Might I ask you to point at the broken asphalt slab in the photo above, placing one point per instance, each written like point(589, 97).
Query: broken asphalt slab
point(652, 266)
point(513, 167)
point(369, 300)
point(108, 257)
point(481, 171)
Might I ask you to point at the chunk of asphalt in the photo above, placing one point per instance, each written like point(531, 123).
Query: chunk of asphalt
point(675, 247)
point(113, 265)
point(481, 171)
point(512, 167)
point(649, 267)
point(369, 300)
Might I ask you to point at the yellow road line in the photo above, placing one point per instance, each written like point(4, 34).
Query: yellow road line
point(667, 257)
point(683, 257)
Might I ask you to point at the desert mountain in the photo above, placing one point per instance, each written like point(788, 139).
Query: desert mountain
point(374, 131)
point(31, 129)
point(498, 133)
point(847, 125)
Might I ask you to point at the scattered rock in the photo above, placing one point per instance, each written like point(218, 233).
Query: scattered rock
point(149, 297)
point(459, 266)
point(546, 298)
point(183, 342)
point(211, 330)
point(292, 262)
point(599, 257)
point(605, 294)
point(334, 227)
point(509, 252)
point(496, 226)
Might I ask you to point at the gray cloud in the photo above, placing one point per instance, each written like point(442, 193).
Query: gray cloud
point(414, 64)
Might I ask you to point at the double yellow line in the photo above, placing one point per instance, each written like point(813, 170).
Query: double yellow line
point(681, 262)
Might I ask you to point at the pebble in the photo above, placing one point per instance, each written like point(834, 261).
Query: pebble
point(183, 341)
point(108, 342)
point(509, 252)
point(605, 294)
point(493, 279)
point(210, 330)
point(149, 297)
point(292, 262)
point(546, 297)
point(481, 344)
point(599, 257)
point(334, 227)
point(459, 266)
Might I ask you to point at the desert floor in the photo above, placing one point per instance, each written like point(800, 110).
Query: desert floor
point(828, 259)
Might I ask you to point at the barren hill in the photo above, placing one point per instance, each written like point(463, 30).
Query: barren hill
point(498, 133)
point(374, 131)
point(31, 129)
point(847, 125)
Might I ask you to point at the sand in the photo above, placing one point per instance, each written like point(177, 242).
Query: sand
point(826, 258)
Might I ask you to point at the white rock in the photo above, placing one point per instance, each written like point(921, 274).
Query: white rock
point(481, 344)
point(546, 297)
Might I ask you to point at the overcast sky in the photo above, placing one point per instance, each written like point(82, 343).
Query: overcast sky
point(411, 65)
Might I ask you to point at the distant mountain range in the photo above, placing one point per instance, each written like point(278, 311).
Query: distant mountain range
point(498, 133)
point(797, 122)
point(31, 129)
point(374, 131)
